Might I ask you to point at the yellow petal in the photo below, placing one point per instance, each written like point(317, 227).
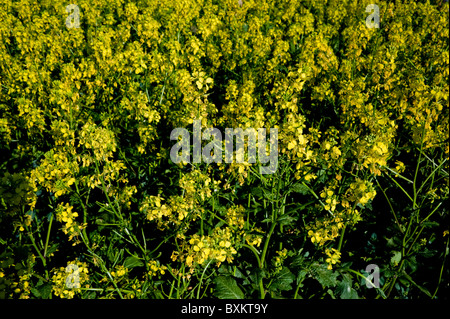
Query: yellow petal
point(291, 145)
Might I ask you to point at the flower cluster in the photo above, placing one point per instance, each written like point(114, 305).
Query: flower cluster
point(171, 213)
point(279, 260)
point(55, 173)
point(217, 247)
point(155, 269)
point(324, 230)
point(68, 281)
point(16, 190)
point(99, 140)
point(360, 192)
point(254, 239)
point(235, 217)
point(22, 287)
point(71, 227)
point(334, 256)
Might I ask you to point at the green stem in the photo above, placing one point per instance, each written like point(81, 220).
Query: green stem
point(266, 244)
point(171, 290)
point(263, 256)
point(367, 280)
point(261, 289)
point(106, 193)
point(84, 212)
point(341, 239)
point(36, 248)
point(405, 238)
point(414, 241)
point(442, 268)
point(415, 229)
point(404, 191)
point(255, 252)
point(395, 278)
point(48, 235)
point(201, 280)
point(398, 174)
point(416, 173)
point(298, 288)
point(390, 205)
point(317, 197)
point(111, 279)
point(102, 265)
point(431, 175)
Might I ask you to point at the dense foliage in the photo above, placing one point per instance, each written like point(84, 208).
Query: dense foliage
point(93, 207)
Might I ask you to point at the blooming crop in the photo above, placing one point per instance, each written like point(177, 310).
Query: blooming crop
point(119, 177)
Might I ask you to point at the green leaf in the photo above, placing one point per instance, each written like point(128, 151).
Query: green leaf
point(427, 253)
point(237, 273)
point(298, 261)
point(52, 249)
point(35, 292)
point(42, 290)
point(286, 219)
point(348, 293)
point(430, 224)
point(46, 291)
point(270, 196)
point(390, 242)
point(253, 277)
point(301, 275)
point(345, 289)
point(227, 288)
point(283, 280)
point(330, 292)
point(326, 277)
point(257, 191)
point(411, 262)
point(321, 176)
point(300, 188)
point(423, 289)
point(131, 262)
point(396, 258)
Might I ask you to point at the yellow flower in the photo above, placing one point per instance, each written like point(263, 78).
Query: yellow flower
point(292, 144)
point(189, 260)
point(67, 281)
point(316, 237)
point(335, 152)
point(253, 240)
point(333, 257)
point(400, 167)
point(155, 269)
